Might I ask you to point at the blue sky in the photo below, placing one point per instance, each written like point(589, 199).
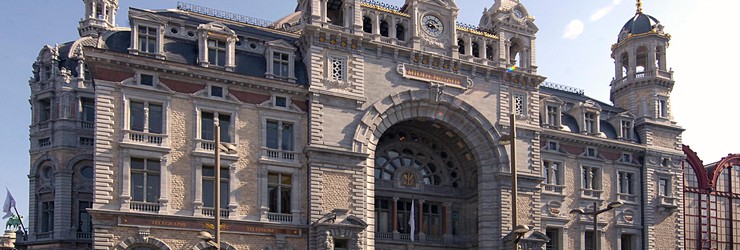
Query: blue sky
point(573, 48)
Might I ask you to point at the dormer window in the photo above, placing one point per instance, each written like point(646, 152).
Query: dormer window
point(146, 36)
point(280, 56)
point(48, 72)
point(147, 39)
point(626, 129)
point(217, 52)
point(590, 123)
point(551, 112)
point(280, 64)
point(216, 46)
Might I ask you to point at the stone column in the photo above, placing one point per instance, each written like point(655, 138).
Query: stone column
point(62, 203)
point(420, 214)
point(396, 234)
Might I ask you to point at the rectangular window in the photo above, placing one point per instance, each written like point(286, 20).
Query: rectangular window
point(44, 109)
point(280, 64)
point(147, 39)
point(84, 221)
point(281, 102)
point(432, 219)
point(552, 145)
point(383, 215)
point(337, 69)
point(553, 113)
point(279, 188)
point(591, 152)
point(341, 244)
point(403, 212)
point(216, 52)
point(280, 135)
point(88, 109)
point(662, 108)
point(47, 216)
point(627, 158)
point(552, 172)
point(47, 72)
point(209, 178)
point(591, 178)
point(206, 126)
point(590, 123)
point(520, 102)
point(145, 113)
point(145, 174)
point(664, 187)
point(554, 235)
point(217, 91)
point(626, 242)
point(626, 182)
point(588, 240)
point(626, 129)
point(147, 80)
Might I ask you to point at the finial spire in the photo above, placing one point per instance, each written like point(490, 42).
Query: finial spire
point(639, 6)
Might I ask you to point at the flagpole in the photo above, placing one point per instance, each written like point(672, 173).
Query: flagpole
point(21, 220)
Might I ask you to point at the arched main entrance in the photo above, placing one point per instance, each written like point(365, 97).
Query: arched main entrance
point(424, 169)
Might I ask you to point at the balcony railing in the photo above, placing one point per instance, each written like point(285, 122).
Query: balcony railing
point(627, 197)
point(144, 207)
point(277, 154)
point(44, 235)
point(434, 239)
point(209, 212)
point(277, 217)
point(591, 193)
point(554, 188)
point(87, 124)
point(84, 235)
point(145, 138)
point(384, 235)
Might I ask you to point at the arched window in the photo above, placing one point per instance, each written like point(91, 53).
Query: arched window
point(400, 32)
point(461, 46)
point(335, 12)
point(490, 51)
point(367, 24)
point(384, 28)
point(476, 49)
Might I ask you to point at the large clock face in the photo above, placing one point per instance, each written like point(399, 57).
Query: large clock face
point(432, 25)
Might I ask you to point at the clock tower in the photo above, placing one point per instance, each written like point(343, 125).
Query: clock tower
point(433, 23)
point(515, 28)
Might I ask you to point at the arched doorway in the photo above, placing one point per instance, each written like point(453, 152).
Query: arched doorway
point(425, 170)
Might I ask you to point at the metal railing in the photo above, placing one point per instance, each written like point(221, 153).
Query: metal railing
point(554, 188)
point(382, 5)
point(84, 235)
point(226, 15)
point(561, 87)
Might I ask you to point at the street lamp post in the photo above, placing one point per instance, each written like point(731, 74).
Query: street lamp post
point(217, 148)
point(595, 214)
point(517, 230)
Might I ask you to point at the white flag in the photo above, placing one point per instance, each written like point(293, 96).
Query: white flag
point(412, 221)
point(9, 203)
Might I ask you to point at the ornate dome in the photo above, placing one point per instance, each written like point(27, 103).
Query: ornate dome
point(639, 24)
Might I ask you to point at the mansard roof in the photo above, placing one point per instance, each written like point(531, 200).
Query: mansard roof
point(186, 51)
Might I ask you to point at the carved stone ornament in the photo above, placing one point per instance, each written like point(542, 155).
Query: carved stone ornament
point(408, 179)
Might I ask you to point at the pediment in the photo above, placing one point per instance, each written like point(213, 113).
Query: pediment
point(148, 17)
point(280, 43)
point(217, 27)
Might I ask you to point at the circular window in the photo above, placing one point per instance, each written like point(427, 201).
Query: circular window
point(253, 45)
point(174, 30)
point(87, 172)
point(191, 33)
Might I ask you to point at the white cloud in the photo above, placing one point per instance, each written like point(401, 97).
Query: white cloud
point(573, 29)
point(601, 13)
point(617, 2)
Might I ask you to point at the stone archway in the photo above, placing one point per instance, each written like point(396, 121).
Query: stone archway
point(473, 127)
point(140, 240)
